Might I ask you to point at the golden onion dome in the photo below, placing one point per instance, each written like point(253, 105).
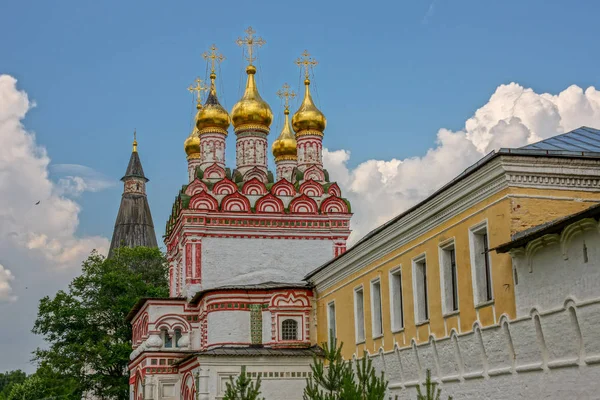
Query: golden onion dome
point(284, 148)
point(212, 117)
point(308, 117)
point(192, 143)
point(251, 109)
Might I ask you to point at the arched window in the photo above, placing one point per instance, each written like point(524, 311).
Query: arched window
point(177, 337)
point(289, 329)
point(167, 340)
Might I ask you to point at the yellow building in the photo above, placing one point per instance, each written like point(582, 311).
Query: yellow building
point(429, 272)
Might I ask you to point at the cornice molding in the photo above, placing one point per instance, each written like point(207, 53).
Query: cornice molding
point(496, 175)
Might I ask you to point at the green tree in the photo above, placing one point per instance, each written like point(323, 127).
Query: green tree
point(90, 341)
point(8, 380)
point(333, 378)
point(432, 392)
point(242, 388)
point(31, 389)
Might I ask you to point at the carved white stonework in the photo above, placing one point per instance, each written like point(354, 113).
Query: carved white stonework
point(251, 152)
point(212, 147)
point(192, 164)
point(285, 168)
point(310, 152)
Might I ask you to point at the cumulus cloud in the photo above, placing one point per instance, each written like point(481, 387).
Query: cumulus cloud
point(34, 214)
point(513, 116)
point(40, 250)
point(6, 291)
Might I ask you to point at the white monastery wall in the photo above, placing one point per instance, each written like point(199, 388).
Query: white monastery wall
point(230, 261)
point(548, 355)
point(228, 327)
point(555, 268)
point(281, 377)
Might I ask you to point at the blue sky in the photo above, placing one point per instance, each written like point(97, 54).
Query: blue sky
point(390, 74)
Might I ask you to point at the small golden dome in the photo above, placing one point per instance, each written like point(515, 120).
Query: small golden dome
point(212, 117)
point(284, 148)
point(192, 143)
point(251, 109)
point(308, 117)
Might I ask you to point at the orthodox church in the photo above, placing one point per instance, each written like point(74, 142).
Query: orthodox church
point(239, 242)
point(491, 283)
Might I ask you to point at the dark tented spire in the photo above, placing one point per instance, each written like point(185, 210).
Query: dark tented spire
point(134, 169)
point(134, 226)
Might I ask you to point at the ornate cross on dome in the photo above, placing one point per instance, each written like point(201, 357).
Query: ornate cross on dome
point(306, 61)
point(213, 58)
point(285, 93)
point(250, 41)
point(199, 88)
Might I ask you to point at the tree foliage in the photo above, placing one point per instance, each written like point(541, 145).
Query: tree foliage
point(335, 379)
point(10, 379)
point(90, 340)
point(242, 388)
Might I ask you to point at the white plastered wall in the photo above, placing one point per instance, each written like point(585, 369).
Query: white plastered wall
point(230, 261)
point(228, 327)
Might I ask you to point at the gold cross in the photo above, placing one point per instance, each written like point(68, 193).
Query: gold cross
point(250, 41)
point(199, 88)
point(214, 57)
point(285, 93)
point(306, 62)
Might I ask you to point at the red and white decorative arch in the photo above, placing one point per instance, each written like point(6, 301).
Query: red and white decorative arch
point(334, 190)
point(334, 205)
point(311, 188)
point(289, 300)
point(255, 173)
point(269, 204)
point(283, 187)
point(235, 202)
point(171, 322)
point(188, 386)
point(204, 201)
point(195, 187)
point(215, 171)
point(303, 205)
point(225, 186)
point(314, 173)
point(254, 187)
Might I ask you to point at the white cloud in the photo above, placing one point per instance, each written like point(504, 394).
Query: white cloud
point(40, 251)
point(48, 227)
point(513, 117)
point(6, 291)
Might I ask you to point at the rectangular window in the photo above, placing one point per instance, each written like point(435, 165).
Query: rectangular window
point(420, 285)
point(331, 321)
point(397, 314)
point(480, 264)
point(376, 315)
point(359, 314)
point(449, 279)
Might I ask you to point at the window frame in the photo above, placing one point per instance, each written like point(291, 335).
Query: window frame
point(330, 306)
point(376, 334)
point(359, 321)
point(394, 274)
point(449, 246)
point(296, 324)
point(482, 230)
point(416, 262)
